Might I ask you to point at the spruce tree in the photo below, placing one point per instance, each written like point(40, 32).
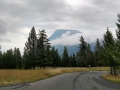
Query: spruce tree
point(43, 45)
point(48, 54)
point(8, 62)
point(57, 58)
point(1, 60)
point(118, 25)
point(1, 63)
point(70, 60)
point(27, 62)
point(31, 47)
point(109, 45)
point(53, 55)
point(65, 57)
point(82, 52)
point(78, 61)
point(15, 58)
point(19, 59)
point(97, 53)
point(73, 62)
point(88, 54)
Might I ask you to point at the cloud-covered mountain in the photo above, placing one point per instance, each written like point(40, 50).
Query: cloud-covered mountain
point(65, 37)
point(70, 39)
point(60, 32)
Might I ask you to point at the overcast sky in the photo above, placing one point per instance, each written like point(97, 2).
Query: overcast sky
point(91, 17)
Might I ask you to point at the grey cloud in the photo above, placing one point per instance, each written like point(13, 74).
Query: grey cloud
point(21, 13)
point(107, 4)
point(96, 15)
point(58, 11)
point(5, 40)
point(2, 26)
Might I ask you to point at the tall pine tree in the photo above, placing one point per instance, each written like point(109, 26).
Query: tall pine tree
point(109, 45)
point(65, 57)
point(88, 54)
point(118, 25)
point(97, 53)
point(31, 47)
point(82, 52)
point(43, 49)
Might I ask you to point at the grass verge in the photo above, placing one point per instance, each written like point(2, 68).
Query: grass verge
point(12, 77)
point(112, 78)
point(100, 68)
point(15, 76)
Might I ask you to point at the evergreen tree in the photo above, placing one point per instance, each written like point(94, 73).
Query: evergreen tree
point(15, 57)
point(31, 47)
point(27, 62)
point(53, 55)
point(57, 58)
point(97, 53)
point(7, 59)
point(78, 61)
point(118, 25)
point(10, 59)
point(3, 60)
point(19, 59)
point(9, 62)
point(48, 54)
point(82, 52)
point(1, 64)
point(73, 60)
point(88, 54)
point(43, 45)
point(109, 45)
point(70, 61)
point(65, 57)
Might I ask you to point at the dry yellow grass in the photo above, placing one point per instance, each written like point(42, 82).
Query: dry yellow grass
point(100, 68)
point(112, 78)
point(10, 77)
point(14, 76)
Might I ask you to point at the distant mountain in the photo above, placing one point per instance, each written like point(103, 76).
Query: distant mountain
point(59, 32)
point(71, 48)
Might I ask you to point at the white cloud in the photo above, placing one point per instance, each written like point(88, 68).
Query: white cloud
point(66, 39)
point(88, 35)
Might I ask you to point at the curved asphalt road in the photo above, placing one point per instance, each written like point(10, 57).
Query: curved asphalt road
point(70, 81)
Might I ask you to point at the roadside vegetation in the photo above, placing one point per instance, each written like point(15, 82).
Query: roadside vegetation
point(112, 78)
point(13, 76)
point(100, 68)
point(16, 76)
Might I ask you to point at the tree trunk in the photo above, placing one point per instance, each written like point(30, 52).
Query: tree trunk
point(44, 66)
point(111, 71)
point(34, 66)
point(114, 70)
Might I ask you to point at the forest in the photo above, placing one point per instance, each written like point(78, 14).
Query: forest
point(38, 52)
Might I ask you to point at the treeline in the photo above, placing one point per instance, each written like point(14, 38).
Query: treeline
point(38, 52)
point(11, 59)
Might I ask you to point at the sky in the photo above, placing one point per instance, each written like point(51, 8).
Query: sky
point(91, 17)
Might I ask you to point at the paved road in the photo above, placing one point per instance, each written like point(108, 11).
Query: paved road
point(70, 81)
